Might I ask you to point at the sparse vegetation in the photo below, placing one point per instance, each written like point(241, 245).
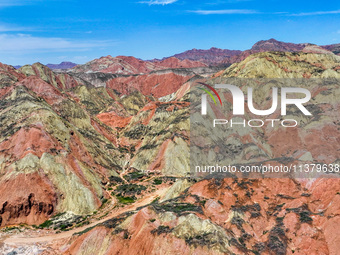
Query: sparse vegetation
point(115, 179)
point(157, 181)
point(178, 207)
point(134, 176)
point(84, 231)
point(7, 229)
point(129, 189)
point(304, 217)
point(125, 200)
point(161, 230)
point(46, 224)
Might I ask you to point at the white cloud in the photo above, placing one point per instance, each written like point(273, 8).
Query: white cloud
point(13, 28)
point(230, 11)
point(26, 43)
point(9, 3)
point(315, 13)
point(218, 2)
point(158, 2)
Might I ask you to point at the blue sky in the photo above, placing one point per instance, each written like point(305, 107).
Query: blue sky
point(51, 31)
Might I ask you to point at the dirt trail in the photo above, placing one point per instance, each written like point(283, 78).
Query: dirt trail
point(15, 240)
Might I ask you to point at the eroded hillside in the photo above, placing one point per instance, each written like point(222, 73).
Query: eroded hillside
point(103, 169)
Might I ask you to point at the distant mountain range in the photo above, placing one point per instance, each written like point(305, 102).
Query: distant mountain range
point(209, 57)
point(62, 65)
point(126, 65)
point(215, 56)
point(197, 58)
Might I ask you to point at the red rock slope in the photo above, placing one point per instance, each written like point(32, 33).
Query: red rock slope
point(130, 65)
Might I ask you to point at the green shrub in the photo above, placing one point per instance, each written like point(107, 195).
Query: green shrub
point(129, 189)
point(46, 224)
point(157, 181)
point(134, 176)
point(178, 207)
point(125, 200)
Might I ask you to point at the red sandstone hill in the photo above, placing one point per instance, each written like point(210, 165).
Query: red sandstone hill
point(130, 65)
point(155, 84)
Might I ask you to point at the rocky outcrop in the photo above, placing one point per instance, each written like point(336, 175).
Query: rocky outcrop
point(33, 202)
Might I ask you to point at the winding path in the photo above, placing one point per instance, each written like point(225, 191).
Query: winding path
point(16, 240)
